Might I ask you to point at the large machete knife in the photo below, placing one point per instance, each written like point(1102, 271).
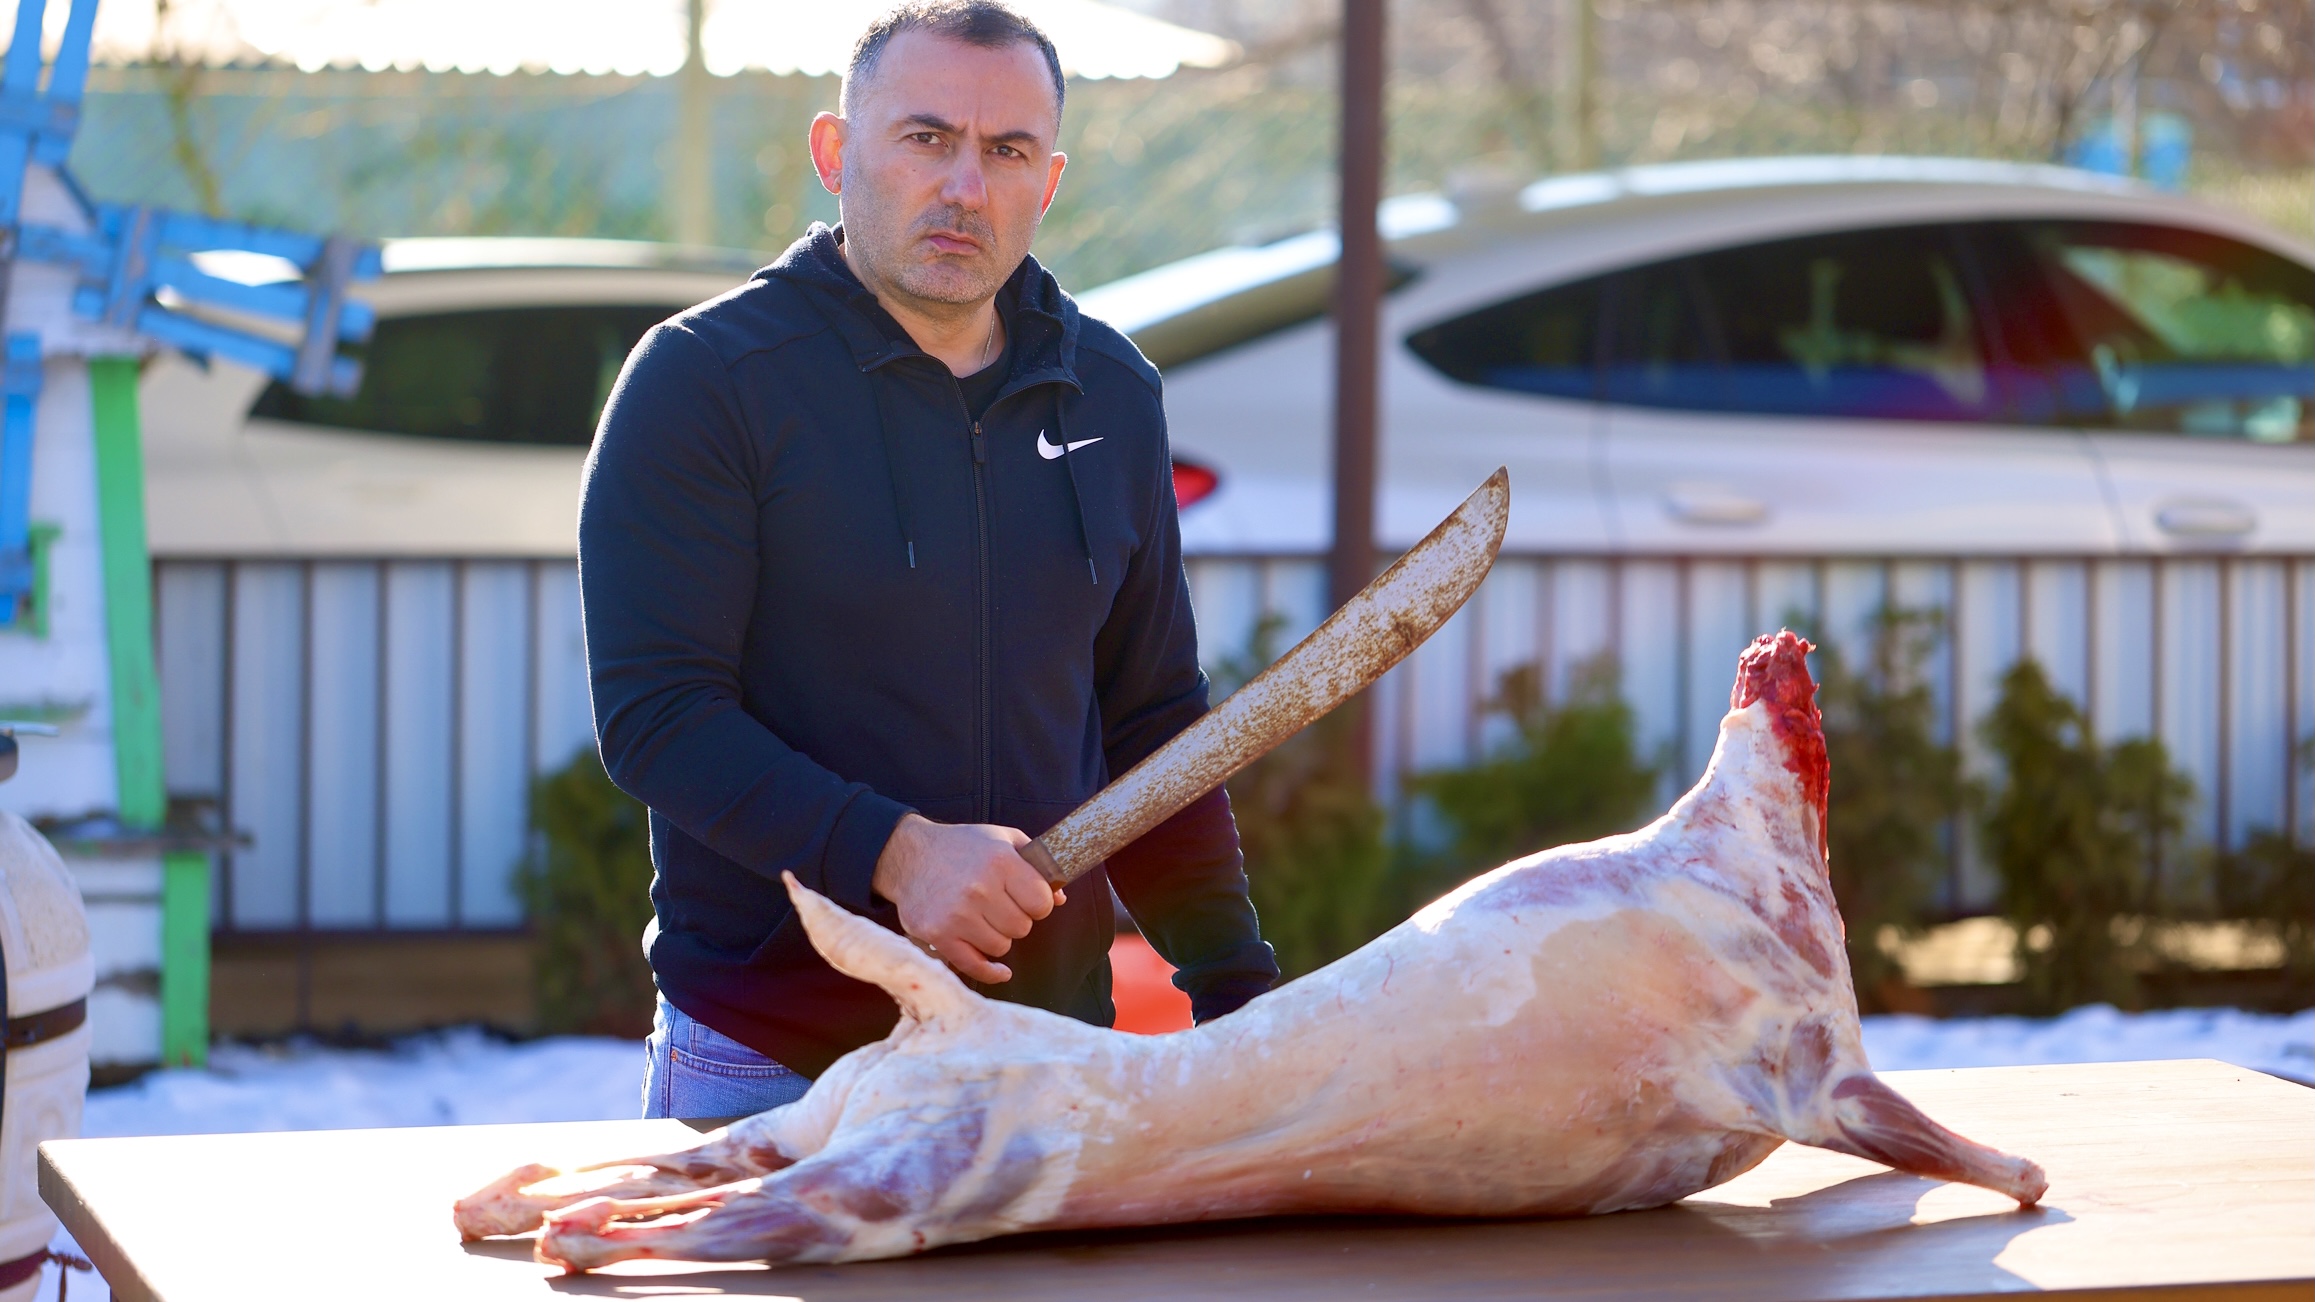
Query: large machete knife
point(1373, 631)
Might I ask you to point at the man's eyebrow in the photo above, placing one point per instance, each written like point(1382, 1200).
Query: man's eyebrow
point(933, 122)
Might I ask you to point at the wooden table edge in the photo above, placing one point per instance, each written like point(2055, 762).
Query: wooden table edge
point(87, 1226)
point(56, 1189)
point(2236, 1290)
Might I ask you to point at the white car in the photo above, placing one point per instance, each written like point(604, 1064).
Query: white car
point(1806, 355)
point(1864, 356)
point(490, 362)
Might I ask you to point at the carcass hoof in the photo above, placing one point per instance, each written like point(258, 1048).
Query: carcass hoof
point(500, 1207)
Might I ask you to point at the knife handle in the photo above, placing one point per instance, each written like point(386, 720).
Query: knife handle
point(1042, 860)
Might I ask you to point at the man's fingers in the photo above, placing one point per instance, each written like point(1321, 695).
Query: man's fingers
point(964, 958)
point(1029, 891)
point(977, 933)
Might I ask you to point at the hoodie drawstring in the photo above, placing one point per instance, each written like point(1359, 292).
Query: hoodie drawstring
point(1076, 494)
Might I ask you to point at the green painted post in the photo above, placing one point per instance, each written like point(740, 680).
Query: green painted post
point(185, 958)
point(136, 705)
point(128, 591)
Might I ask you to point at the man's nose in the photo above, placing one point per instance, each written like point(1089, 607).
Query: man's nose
point(965, 186)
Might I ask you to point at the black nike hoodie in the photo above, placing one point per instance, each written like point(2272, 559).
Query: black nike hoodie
point(818, 595)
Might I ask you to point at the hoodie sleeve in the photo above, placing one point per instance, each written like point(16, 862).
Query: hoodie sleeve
point(667, 581)
point(1184, 880)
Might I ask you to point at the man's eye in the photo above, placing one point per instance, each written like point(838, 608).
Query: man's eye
point(925, 138)
point(1009, 152)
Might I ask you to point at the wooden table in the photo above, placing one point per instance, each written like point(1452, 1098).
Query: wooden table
point(2169, 1179)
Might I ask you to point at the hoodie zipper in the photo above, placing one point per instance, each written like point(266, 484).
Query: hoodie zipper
point(984, 799)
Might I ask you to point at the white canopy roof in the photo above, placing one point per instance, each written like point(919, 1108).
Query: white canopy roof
point(626, 37)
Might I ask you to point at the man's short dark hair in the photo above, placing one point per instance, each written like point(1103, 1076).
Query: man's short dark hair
point(984, 23)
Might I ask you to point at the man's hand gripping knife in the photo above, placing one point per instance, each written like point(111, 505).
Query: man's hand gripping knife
point(963, 891)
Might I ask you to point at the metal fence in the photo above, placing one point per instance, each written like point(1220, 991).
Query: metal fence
point(374, 724)
point(2214, 655)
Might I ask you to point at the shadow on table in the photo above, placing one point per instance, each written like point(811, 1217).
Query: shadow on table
point(1850, 1239)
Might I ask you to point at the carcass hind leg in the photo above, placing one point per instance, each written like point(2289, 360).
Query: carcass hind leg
point(740, 1222)
point(516, 1202)
point(895, 1186)
point(754, 1146)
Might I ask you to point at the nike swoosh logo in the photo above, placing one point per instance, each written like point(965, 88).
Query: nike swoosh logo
point(1046, 449)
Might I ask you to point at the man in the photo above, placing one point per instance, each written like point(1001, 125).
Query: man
point(881, 577)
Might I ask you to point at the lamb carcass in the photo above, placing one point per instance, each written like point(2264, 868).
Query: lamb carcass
point(1594, 1028)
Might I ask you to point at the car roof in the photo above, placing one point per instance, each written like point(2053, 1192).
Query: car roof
point(418, 255)
point(1203, 304)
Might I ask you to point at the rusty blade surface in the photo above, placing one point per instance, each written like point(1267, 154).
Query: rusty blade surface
point(1373, 631)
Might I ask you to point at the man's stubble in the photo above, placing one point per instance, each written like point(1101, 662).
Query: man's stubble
point(883, 241)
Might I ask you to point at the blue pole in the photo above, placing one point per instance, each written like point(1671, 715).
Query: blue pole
point(20, 385)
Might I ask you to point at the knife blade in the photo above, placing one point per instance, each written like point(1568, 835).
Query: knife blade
point(1357, 644)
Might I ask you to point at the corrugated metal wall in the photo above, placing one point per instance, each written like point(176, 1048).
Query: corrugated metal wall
point(373, 724)
point(2216, 656)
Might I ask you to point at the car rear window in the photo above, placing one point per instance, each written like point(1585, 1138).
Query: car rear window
point(1543, 343)
point(2174, 331)
point(502, 375)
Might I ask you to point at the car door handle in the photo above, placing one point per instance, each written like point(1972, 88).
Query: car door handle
point(1713, 504)
point(2205, 518)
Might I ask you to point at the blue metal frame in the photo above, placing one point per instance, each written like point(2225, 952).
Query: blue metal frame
point(137, 272)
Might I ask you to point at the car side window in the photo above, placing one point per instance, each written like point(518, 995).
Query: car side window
point(2179, 331)
point(501, 375)
point(1662, 350)
point(1869, 324)
point(1546, 343)
point(1875, 324)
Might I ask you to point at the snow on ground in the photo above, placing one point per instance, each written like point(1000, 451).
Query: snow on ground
point(453, 1078)
point(464, 1077)
point(2265, 1042)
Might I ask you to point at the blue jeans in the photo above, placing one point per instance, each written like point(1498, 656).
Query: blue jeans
point(697, 1073)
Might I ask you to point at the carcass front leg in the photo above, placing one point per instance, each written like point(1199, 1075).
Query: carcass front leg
point(1880, 1124)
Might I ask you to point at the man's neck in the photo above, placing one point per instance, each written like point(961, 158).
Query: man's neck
point(966, 337)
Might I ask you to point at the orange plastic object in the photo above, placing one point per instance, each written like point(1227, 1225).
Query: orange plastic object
point(1142, 985)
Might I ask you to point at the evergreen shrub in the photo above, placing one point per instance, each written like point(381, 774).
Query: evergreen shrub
point(1317, 863)
point(1895, 791)
point(587, 885)
point(2079, 834)
point(2269, 882)
point(1570, 772)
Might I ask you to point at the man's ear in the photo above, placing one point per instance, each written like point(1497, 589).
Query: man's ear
point(1052, 181)
point(827, 140)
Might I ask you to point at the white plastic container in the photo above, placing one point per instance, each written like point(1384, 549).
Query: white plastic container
point(44, 932)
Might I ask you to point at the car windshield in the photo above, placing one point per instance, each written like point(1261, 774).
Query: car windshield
point(501, 375)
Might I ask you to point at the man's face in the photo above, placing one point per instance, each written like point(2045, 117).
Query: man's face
point(945, 166)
